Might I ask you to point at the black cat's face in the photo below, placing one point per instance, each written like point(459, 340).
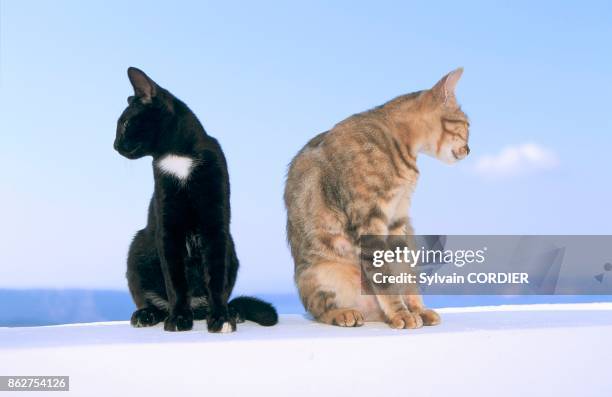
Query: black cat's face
point(137, 129)
point(139, 126)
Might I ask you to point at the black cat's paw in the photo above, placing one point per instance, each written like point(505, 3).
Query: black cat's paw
point(234, 314)
point(179, 321)
point(221, 322)
point(147, 317)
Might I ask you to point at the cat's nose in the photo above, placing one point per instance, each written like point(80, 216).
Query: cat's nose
point(467, 150)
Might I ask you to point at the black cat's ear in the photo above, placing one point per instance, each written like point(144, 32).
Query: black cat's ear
point(144, 87)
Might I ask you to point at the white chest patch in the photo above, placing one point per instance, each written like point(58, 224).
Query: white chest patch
point(178, 166)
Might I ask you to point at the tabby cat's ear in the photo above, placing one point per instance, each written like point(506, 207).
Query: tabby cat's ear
point(444, 90)
point(144, 87)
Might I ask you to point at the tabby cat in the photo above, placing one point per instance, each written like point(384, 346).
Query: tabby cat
point(357, 179)
point(183, 264)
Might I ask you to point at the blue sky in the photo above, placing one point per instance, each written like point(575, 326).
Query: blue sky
point(265, 77)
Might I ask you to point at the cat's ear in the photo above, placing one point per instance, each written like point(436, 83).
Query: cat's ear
point(444, 90)
point(144, 87)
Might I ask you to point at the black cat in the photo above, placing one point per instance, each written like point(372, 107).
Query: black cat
point(182, 265)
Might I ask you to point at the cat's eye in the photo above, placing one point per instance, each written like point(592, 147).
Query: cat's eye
point(125, 124)
point(454, 126)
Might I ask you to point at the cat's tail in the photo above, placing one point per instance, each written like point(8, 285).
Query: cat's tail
point(253, 309)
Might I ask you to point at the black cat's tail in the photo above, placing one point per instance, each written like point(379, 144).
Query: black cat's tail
point(253, 309)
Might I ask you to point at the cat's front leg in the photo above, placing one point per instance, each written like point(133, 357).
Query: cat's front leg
point(415, 305)
point(375, 237)
point(217, 258)
point(171, 246)
point(396, 312)
point(403, 235)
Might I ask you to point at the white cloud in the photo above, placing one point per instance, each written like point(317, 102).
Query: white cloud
point(517, 160)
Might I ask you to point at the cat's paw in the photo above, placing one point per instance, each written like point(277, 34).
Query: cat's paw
point(234, 314)
point(347, 318)
point(221, 323)
point(147, 317)
point(179, 321)
point(404, 320)
point(429, 317)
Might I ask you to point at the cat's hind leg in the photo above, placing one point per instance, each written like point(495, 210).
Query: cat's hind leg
point(145, 281)
point(331, 293)
point(147, 317)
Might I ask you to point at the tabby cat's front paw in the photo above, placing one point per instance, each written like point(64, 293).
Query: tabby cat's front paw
point(429, 317)
point(179, 321)
point(405, 319)
point(347, 318)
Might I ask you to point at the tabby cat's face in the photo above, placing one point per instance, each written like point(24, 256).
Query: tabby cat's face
point(451, 142)
point(448, 126)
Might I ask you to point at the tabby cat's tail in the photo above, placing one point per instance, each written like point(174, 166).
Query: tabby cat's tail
point(253, 309)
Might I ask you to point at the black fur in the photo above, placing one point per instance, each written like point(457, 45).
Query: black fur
point(183, 264)
point(254, 309)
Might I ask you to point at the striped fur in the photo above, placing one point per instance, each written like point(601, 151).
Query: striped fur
point(197, 302)
point(357, 179)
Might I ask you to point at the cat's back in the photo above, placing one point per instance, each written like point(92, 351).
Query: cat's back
point(358, 155)
point(339, 146)
point(308, 155)
point(343, 133)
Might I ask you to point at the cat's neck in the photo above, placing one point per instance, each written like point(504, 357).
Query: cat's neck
point(185, 137)
point(407, 117)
